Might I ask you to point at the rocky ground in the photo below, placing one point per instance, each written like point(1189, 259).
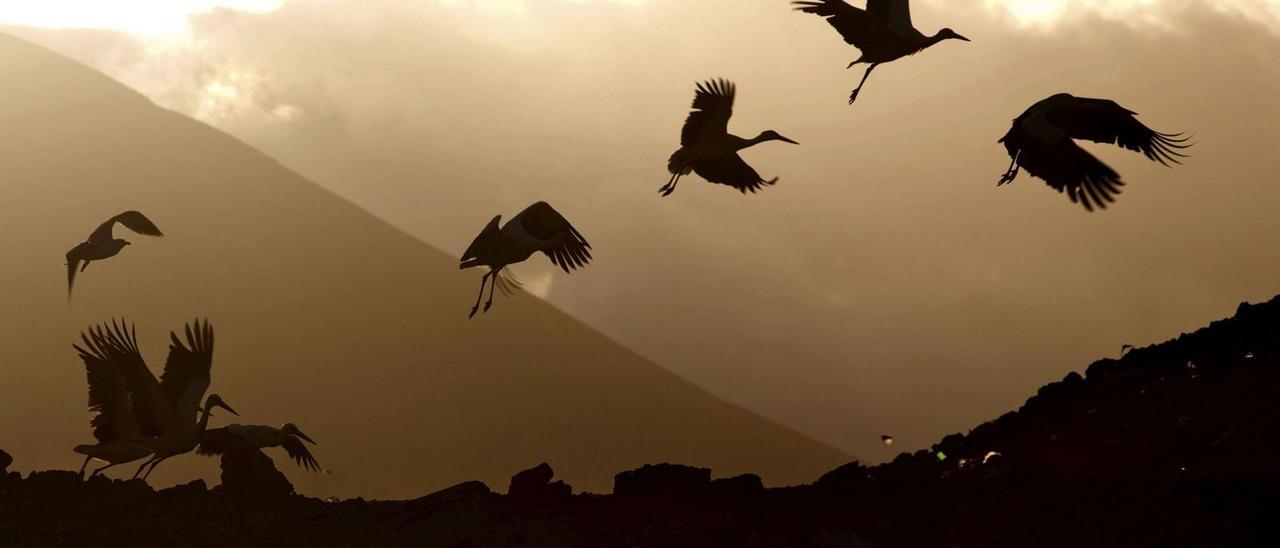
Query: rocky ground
point(1172, 445)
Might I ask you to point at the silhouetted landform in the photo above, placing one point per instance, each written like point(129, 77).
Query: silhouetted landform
point(708, 149)
point(1042, 141)
point(883, 31)
point(331, 317)
point(1171, 445)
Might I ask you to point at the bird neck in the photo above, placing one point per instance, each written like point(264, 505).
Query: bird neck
point(204, 422)
point(745, 143)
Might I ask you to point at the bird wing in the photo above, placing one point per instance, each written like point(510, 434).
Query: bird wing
point(471, 256)
point(118, 343)
point(860, 29)
point(216, 441)
point(108, 396)
point(186, 370)
point(733, 171)
point(1066, 167)
point(712, 108)
point(1105, 121)
point(134, 220)
point(298, 451)
point(895, 13)
point(565, 246)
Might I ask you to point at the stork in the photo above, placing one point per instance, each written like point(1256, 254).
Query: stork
point(114, 426)
point(883, 31)
point(1042, 141)
point(538, 228)
point(219, 440)
point(165, 409)
point(708, 149)
point(102, 245)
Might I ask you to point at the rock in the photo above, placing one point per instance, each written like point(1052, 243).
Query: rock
point(652, 478)
point(248, 472)
point(738, 486)
point(5, 461)
point(535, 484)
point(845, 477)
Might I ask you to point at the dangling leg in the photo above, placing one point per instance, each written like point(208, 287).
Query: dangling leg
point(144, 465)
point(153, 468)
point(854, 96)
point(479, 296)
point(492, 286)
point(1011, 173)
point(99, 471)
point(86, 463)
point(84, 266)
point(670, 187)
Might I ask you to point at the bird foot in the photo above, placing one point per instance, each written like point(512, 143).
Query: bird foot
point(666, 190)
point(487, 305)
point(474, 309)
point(854, 96)
point(1007, 178)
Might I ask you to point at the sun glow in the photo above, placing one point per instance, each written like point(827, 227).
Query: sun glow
point(155, 18)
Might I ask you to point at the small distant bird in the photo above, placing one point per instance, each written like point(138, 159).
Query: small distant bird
point(1042, 141)
point(886, 440)
point(166, 409)
point(883, 31)
point(537, 228)
point(708, 149)
point(218, 440)
point(114, 426)
point(102, 245)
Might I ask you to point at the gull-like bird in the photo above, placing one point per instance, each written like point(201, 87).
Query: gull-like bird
point(166, 409)
point(1042, 141)
point(114, 426)
point(883, 31)
point(218, 441)
point(537, 228)
point(103, 245)
point(708, 149)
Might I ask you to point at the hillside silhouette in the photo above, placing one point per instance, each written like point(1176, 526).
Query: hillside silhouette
point(327, 316)
point(1141, 451)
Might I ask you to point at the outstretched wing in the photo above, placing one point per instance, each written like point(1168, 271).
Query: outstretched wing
point(732, 170)
point(186, 371)
point(1066, 167)
point(134, 220)
point(859, 28)
point(712, 108)
point(108, 395)
point(895, 13)
point(565, 246)
point(118, 344)
point(300, 454)
point(1105, 121)
point(73, 264)
point(216, 441)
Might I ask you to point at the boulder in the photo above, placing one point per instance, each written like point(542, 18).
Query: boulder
point(248, 472)
point(5, 461)
point(535, 484)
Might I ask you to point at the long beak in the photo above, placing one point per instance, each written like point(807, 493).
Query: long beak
point(958, 37)
point(306, 438)
point(228, 408)
point(786, 140)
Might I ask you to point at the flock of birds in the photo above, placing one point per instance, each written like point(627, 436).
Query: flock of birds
point(137, 416)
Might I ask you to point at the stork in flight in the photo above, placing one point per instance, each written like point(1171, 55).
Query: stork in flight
point(102, 245)
point(166, 409)
point(708, 149)
point(114, 426)
point(537, 228)
point(883, 31)
point(218, 440)
point(1042, 141)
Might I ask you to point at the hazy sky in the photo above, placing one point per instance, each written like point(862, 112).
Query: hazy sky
point(885, 285)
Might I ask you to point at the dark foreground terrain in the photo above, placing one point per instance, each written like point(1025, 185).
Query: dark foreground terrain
point(1173, 445)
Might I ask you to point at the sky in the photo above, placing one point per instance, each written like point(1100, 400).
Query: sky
point(884, 286)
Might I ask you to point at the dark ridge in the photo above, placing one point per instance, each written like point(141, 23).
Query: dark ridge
point(1172, 445)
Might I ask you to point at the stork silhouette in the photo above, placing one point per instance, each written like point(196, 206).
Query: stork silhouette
point(1042, 141)
point(114, 426)
point(218, 441)
point(708, 149)
point(538, 228)
point(102, 245)
point(883, 31)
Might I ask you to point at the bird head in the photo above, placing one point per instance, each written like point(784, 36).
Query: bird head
point(772, 135)
point(121, 243)
point(215, 400)
point(292, 430)
point(948, 34)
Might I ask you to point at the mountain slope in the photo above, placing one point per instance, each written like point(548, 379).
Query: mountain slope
point(325, 316)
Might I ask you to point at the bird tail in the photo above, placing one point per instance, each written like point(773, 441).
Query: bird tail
point(83, 449)
point(508, 283)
